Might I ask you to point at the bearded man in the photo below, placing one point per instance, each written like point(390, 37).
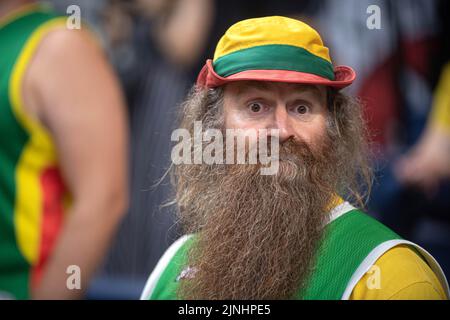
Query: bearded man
point(290, 235)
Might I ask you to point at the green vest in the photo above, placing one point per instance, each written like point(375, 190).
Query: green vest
point(351, 244)
point(31, 188)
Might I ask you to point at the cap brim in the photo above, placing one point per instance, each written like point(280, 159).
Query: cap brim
point(344, 76)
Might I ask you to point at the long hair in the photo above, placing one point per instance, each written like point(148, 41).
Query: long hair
point(346, 125)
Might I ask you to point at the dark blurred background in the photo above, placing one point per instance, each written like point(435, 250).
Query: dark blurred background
point(158, 46)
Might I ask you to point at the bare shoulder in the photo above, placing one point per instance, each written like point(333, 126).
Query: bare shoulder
point(63, 52)
point(57, 54)
point(61, 43)
point(67, 63)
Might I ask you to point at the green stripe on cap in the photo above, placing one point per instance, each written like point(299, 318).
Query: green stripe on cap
point(273, 57)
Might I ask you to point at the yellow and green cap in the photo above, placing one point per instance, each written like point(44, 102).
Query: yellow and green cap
point(276, 49)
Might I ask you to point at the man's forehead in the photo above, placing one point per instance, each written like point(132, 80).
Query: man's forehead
point(241, 87)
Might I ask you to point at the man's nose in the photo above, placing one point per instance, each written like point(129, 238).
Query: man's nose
point(281, 121)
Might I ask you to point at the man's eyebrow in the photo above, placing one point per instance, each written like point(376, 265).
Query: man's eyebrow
point(264, 86)
point(259, 85)
point(308, 88)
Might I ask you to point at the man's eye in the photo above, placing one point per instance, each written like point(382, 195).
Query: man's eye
point(255, 107)
point(301, 109)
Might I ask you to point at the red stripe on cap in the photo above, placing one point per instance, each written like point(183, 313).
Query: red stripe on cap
point(209, 78)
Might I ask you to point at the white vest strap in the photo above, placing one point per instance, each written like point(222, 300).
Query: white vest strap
point(161, 266)
point(379, 250)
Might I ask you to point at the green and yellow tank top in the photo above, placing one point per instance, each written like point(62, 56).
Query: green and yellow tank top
point(32, 193)
point(352, 242)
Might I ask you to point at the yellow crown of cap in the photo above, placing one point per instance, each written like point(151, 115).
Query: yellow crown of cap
point(274, 30)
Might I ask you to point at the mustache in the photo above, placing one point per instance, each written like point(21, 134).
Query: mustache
point(296, 158)
point(291, 149)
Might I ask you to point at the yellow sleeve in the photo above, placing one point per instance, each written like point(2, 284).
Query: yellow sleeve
point(440, 112)
point(402, 275)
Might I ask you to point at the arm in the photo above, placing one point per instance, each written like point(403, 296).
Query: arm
point(428, 161)
point(183, 35)
point(71, 89)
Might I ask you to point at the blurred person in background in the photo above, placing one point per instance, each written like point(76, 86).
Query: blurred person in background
point(427, 164)
point(63, 153)
point(153, 45)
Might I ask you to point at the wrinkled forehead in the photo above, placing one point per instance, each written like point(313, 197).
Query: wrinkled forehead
point(239, 88)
